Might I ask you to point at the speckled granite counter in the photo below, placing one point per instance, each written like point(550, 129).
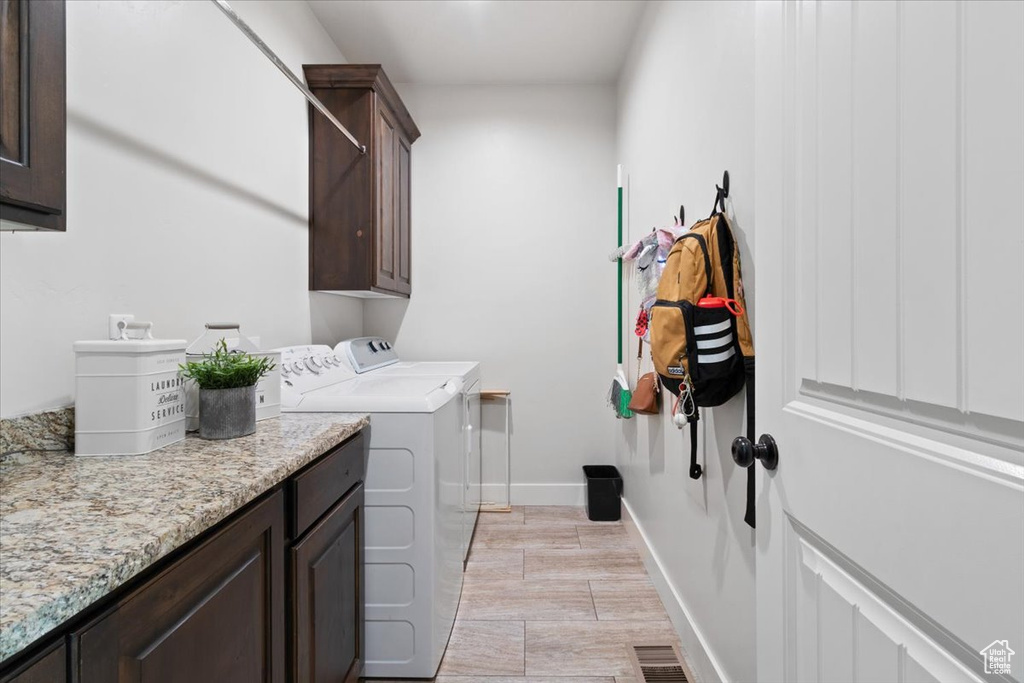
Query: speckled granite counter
point(72, 529)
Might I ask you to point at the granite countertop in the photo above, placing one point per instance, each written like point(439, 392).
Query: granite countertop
point(72, 529)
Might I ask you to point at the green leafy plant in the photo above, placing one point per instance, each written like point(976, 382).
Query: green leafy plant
point(225, 369)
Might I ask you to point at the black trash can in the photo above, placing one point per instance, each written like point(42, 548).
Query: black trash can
point(604, 489)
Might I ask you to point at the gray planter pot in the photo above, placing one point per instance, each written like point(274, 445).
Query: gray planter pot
point(227, 413)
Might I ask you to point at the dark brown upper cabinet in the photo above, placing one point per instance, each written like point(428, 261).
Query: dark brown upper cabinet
point(359, 204)
point(32, 113)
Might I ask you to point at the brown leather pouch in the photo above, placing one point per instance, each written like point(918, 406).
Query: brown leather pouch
point(646, 398)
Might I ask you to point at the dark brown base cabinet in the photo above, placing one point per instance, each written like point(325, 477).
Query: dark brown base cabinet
point(327, 613)
point(273, 594)
point(215, 615)
point(49, 667)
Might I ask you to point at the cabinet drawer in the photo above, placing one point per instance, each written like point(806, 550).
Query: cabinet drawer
point(316, 489)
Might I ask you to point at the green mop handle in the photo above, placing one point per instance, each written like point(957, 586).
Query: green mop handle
point(618, 328)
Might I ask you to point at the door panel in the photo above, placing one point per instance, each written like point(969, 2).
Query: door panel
point(327, 595)
point(403, 277)
point(211, 630)
point(874, 192)
point(13, 17)
point(929, 203)
point(849, 629)
point(32, 112)
point(992, 207)
point(386, 191)
point(48, 668)
point(897, 504)
point(215, 615)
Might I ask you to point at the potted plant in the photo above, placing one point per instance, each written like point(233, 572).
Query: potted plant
point(227, 391)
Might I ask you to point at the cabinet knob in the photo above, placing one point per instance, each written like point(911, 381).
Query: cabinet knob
point(744, 452)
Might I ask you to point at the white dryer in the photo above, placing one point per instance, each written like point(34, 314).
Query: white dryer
point(414, 503)
point(376, 357)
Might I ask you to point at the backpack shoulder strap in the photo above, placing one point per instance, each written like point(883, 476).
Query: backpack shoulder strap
point(695, 469)
point(703, 243)
point(726, 246)
point(750, 516)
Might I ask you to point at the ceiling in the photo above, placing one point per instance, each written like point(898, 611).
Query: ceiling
point(464, 42)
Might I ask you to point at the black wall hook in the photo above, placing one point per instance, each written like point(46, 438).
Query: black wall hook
point(721, 193)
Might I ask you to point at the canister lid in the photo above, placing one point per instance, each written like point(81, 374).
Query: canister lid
point(130, 345)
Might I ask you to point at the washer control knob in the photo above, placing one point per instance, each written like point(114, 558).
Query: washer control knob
point(298, 367)
point(312, 364)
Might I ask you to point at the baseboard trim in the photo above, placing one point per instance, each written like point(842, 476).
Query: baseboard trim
point(536, 494)
point(698, 655)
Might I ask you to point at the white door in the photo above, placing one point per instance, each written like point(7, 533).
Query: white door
point(890, 339)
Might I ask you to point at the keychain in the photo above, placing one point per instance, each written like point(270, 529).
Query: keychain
point(684, 407)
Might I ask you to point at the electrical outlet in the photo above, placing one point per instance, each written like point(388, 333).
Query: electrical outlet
point(113, 319)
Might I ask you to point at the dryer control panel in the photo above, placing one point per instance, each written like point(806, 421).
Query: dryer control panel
point(366, 353)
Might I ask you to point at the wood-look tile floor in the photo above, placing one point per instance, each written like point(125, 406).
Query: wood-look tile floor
point(551, 597)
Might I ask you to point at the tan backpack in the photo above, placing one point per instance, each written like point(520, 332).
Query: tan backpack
point(702, 348)
point(700, 334)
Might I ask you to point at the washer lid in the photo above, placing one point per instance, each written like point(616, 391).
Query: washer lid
point(378, 394)
point(467, 371)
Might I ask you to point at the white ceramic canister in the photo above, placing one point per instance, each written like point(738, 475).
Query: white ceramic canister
point(129, 399)
point(268, 389)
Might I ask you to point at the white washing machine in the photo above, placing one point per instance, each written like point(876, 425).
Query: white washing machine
point(376, 357)
point(414, 500)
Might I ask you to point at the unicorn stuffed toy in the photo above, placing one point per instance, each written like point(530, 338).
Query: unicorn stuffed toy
point(648, 255)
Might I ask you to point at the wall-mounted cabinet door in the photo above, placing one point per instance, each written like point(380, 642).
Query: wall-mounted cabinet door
point(393, 166)
point(32, 112)
point(215, 615)
point(386, 140)
point(327, 596)
point(403, 276)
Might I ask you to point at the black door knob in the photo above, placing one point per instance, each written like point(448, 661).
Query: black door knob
point(744, 452)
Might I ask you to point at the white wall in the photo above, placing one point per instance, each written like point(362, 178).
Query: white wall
point(513, 212)
point(686, 101)
point(187, 191)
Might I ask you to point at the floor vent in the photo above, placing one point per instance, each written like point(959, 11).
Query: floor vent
point(658, 664)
